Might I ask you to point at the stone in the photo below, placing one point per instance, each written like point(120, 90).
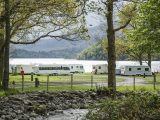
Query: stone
point(35, 104)
point(41, 110)
point(59, 111)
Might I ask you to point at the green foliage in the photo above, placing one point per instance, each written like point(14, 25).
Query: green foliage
point(143, 31)
point(100, 49)
point(95, 52)
point(32, 20)
point(11, 92)
point(141, 106)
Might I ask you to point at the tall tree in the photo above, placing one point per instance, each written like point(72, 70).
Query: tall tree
point(7, 41)
point(111, 42)
point(28, 21)
point(144, 31)
point(107, 9)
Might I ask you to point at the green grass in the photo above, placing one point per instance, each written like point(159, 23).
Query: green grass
point(77, 87)
point(58, 88)
point(138, 88)
point(42, 88)
point(59, 83)
point(76, 77)
point(150, 79)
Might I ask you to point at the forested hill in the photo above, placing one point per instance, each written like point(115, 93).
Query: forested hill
point(95, 52)
point(53, 48)
point(63, 53)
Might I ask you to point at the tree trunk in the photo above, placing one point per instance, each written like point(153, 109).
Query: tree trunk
point(149, 60)
point(140, 59)
point(7, 41)
point(1, 66)
point(111, 47)
point(2, 42)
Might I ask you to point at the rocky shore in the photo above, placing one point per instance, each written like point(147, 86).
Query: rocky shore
point(39, 105)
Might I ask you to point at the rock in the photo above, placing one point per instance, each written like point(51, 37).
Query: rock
point(27, 102)
point(34, 104)
point(41, 110)
point(51, 113)
point(33, 114)
point(18, 111)
point(59, 111)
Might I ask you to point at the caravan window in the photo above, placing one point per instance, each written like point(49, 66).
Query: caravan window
point(146, 69)
point(99, 67)
point(138, 68)
point(94, 67)
point(130, 69)
point(76, 66)
point(81, 67)
point(71, 67)
point(65, 68)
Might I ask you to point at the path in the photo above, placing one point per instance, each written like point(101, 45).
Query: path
point(127, 82)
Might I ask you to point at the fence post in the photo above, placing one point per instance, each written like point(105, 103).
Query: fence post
point(13, 83)
point(134, 82)
point(22, 73)
point(36, 82)
point(71, 81)
point(91, 81)
point(154, 81)
point(31, 76)
point(47, 82)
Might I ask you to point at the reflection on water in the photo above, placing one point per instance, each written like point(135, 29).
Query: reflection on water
point(71, 114)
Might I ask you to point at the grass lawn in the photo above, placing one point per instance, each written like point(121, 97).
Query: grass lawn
point(59, 83)
point(77, 87)
point(44, 88)
point(138, 88)
point(150, 79)
point(77, 79)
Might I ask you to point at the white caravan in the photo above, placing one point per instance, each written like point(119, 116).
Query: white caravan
point(118, 71)
point(136, 70)
point(76, 68)
point(16, 69)
point(54, 69)
point(100, 69)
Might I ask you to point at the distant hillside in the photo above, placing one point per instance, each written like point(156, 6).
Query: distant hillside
point(95, 52)
point(57, 48)
point(52, 44)
point(51, 48)
point(63, 53)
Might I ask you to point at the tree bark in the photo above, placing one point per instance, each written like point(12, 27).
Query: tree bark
point(1, 66)
point(149, 60)
point(111, 47)
point(140, 59)
point(2, 42)
point(7, 43)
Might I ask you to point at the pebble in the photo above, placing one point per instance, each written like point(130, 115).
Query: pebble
point(28, 106)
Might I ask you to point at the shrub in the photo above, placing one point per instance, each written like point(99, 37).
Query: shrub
point(11, 92)
point(133, 107)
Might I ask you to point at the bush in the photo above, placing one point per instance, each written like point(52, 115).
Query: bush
point(11, 92)
point(144, 106)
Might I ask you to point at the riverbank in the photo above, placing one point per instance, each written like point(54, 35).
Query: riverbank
point(32, 105)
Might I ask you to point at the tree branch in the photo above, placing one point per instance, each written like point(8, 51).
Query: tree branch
point(123, 26)
point(129, 18)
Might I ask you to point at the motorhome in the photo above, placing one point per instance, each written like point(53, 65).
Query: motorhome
point(135, 70)
point(16, 69)
point(100, 69)
point(54, 69)
point(76, 68)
